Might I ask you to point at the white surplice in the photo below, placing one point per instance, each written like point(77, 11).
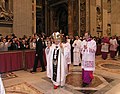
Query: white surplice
point(61, 67)
point(67, 52)
point(2, 90)
point(76, 52)
point(47, 50)
point(113, 45)
point(105, 47)
point(88, 55)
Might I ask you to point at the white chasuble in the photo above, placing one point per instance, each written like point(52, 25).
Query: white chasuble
point(88, 55)
point(58, 66)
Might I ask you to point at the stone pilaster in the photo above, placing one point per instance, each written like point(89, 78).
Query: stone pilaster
point(75, 16)
point(88, 15)
point(93, 29)
point(34, 16)
point(70, 17)
point(105, 16)
point(51, 21)
point(82, 17)
point(46, 19)
point(10, 5)
point(115, 17)
point(79, 17)
point(22, 23)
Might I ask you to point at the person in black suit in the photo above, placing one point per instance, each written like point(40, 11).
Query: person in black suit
point(71, 42)
point(38, 54)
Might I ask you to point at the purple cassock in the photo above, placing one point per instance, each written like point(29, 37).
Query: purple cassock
point(87, 76)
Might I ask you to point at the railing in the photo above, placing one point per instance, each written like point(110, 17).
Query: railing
point(17, 60)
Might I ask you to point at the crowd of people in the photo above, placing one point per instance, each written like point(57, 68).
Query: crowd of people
point(12, 42)
point(110, 45)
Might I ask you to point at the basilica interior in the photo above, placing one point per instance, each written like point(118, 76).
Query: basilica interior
point(24, 18)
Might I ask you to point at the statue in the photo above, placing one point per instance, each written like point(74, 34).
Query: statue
point(5, 15)
point(2, 4)
point(99, 18)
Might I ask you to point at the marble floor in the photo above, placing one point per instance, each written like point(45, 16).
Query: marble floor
point(106, 81)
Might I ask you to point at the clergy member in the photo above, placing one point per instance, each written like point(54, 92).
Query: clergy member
point(76, 51)
point(88, 49)
point(67, 53)
point(105, 47)
point(57, 64)
point(48, 59)
point(113, 47)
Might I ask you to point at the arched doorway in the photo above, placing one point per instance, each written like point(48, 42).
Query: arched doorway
point(63, 20)
point(61, 15)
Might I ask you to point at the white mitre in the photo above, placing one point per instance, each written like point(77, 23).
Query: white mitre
point(56, 35)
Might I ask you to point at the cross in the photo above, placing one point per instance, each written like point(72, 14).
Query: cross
point(61, 35)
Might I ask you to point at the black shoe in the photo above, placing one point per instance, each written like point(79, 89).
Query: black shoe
point(84, 84)
point(79, 64)
point(32, 71)
point(42, 70)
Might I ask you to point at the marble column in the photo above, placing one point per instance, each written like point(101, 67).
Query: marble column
point(105, 16)
point(10, 5)
point(51, 21)
point(22, 23)
point(79, 16)
point(93, 29)
point(46, 20)
point(75, 17)
point(82, 17)
point(115, 17)
point(70, 17)
point(88, 15)
point(34, 16)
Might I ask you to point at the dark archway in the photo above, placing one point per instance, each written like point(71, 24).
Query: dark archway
point(62, 18)
point(63, 22)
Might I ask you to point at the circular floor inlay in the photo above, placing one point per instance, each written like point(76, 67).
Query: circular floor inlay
point(76, 80)
point(111, 66)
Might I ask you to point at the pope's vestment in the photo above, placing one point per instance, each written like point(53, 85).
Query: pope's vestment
point(58, 65)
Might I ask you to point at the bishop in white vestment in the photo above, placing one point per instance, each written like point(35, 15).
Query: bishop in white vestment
point(58, 65)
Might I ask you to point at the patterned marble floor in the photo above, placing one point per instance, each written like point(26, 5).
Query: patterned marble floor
point(106, 81)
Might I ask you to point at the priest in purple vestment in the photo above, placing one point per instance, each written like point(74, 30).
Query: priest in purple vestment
point(88, 50)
